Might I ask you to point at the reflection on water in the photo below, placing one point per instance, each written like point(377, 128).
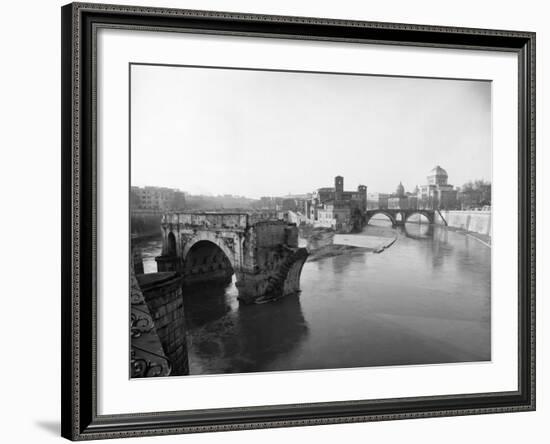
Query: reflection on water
point(242, 338)
point(150, 248)
point(424, 300)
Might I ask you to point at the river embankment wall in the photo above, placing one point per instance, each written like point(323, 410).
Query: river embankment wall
point(474, 221)
point(162, 293)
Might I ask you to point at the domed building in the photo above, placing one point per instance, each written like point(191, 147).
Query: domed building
point(437, 176)
point(437, 194)
point(400, 191)
point(401, 200)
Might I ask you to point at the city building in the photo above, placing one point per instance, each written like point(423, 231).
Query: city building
point(356, 198)
point(296, 203)
point(156, 198)
point(337, 195)
point(336, 208)
point(293, 217)
point(269, 203)
point(398, 200)
point(437, 193)
point(412, 202)
point(334, 215)
point(377, 201)
point(289, 205)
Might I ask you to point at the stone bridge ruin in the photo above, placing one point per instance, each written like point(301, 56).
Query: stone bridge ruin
point(262, 253)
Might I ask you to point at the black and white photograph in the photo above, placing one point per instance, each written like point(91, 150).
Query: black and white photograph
point(277, 221)
point(294, 220)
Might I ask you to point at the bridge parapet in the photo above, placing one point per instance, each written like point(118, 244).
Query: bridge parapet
point(208, 220)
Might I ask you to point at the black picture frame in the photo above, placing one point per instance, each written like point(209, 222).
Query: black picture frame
point(79, 169)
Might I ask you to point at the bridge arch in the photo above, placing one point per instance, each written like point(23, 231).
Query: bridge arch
point(206, 238)
point(171, 245)
point(207, 260)
point(373, 213)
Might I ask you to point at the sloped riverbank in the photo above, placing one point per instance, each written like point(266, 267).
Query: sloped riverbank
point(324, 243)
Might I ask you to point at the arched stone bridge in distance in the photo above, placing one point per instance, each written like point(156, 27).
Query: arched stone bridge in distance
point(206, 247)
point(399, 217)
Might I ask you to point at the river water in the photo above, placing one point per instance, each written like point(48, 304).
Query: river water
point(424, 300)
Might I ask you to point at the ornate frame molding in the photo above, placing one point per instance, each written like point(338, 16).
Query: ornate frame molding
point(80, 420)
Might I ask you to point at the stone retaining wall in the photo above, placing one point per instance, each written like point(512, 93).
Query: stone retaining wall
point(475, 221)
point(163, 295)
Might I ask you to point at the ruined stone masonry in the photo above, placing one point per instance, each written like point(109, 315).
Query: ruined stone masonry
point(163, 296)
point(263, 254)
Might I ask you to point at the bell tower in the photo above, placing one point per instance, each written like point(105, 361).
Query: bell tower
point(338, 188)
point(362, 190)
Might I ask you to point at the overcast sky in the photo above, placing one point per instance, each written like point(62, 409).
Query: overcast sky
point(261, 133)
